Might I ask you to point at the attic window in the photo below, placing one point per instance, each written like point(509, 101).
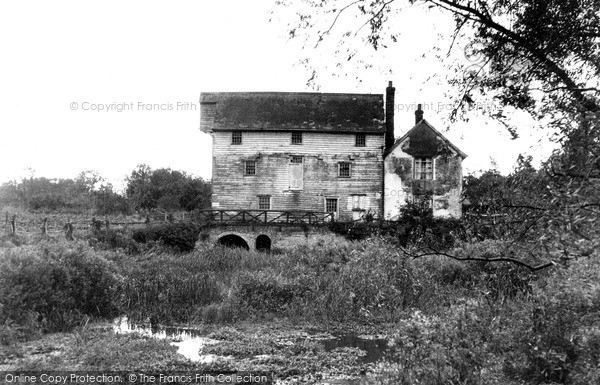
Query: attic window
point(296, 138)
point(424, 168)
point(344, 170)
point(361, 140)
point(236, 137)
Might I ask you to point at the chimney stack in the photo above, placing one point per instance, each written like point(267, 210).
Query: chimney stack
point(389, 116)
point(418, 114)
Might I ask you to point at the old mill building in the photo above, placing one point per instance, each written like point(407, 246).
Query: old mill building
point(326, 152)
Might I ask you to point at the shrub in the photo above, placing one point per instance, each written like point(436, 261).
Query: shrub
point(180, 236)
point(266, 292)
point(557, 338)
point(59, 283)
point(109, 239)
point(170, 288)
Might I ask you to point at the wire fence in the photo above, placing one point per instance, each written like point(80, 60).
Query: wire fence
point(51, 224)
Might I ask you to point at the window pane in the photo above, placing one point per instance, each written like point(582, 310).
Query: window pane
point(423, 168)
point(344, 170)
point(250, 168)
point(264, 202)
point(361, 140)
point(236, 137)
point(331, 205)
point(296, 138)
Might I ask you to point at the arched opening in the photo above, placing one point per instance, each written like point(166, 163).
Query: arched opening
point(233, 240)
point(263, 243)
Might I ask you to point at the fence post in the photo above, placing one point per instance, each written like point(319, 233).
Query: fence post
point(13, 224)
point(68, 231)
point(44, 227)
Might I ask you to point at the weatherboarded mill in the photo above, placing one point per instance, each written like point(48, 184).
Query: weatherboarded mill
point(326, 153)
point(297, 151)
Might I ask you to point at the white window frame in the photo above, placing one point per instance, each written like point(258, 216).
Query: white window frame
point(420, 161)
point(268, 197)
point(336, 213)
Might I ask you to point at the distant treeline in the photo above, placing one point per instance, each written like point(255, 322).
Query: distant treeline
point(163, 189)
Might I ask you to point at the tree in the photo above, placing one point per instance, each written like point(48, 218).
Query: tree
point(552, 46)
point(139, 188)
point(166, 189)
point(539, 56)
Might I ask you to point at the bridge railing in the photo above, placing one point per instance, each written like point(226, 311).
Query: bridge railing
point(264, 217)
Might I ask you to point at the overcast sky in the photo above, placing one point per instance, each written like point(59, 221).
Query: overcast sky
point(69, 67)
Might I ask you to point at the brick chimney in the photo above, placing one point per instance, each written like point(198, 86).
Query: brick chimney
point(389, 116)
point(418, 114)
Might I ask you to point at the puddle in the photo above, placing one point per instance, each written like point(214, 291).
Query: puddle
point(190, 341)
point(376, 348)
point(187, 340)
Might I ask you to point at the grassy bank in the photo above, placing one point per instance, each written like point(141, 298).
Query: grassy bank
point(453, 322)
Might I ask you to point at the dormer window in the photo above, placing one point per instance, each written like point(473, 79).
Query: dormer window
point(423, 168)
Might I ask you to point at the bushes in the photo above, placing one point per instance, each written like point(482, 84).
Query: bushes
point(169, 288)
point(557, 334)
point(58, 284)
point(109, 239)
point(180, 236)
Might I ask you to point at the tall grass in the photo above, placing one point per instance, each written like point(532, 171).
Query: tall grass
point(457, 322)
point(56, 285)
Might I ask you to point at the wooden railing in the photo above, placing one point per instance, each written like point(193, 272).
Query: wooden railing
point(264, 217)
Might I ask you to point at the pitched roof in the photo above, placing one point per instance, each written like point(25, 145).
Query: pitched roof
point(288, 111)
point(424, 124)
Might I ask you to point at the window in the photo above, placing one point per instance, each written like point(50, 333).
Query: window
point(296, 138)
point(264, 202)
point(331, 205)
point(423, 168)
point(423, 201)
point(250, 167)
point(236, 137)
point(344, 170)
point(361, 140)
point(296, 173)
point(358, 202)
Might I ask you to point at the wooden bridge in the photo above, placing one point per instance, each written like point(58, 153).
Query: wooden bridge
point(264, 217)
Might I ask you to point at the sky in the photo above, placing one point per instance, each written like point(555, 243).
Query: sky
point(105, 86)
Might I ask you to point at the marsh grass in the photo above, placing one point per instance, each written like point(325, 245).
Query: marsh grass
point(456, 322)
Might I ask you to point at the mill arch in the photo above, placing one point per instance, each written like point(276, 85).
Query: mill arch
point(233, 240)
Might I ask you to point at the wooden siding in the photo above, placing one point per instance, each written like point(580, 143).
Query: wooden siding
point(321, 154)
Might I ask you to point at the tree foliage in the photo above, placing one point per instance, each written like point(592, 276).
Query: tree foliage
point(166, 189)
point(538, 56)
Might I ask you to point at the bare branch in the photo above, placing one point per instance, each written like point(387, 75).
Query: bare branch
point(321, 36)
point(532, 268)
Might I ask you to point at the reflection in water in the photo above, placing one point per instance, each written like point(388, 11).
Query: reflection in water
point(190, 342)
point(376, 348)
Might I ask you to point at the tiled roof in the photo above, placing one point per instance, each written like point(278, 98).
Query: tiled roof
point(289, 111)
